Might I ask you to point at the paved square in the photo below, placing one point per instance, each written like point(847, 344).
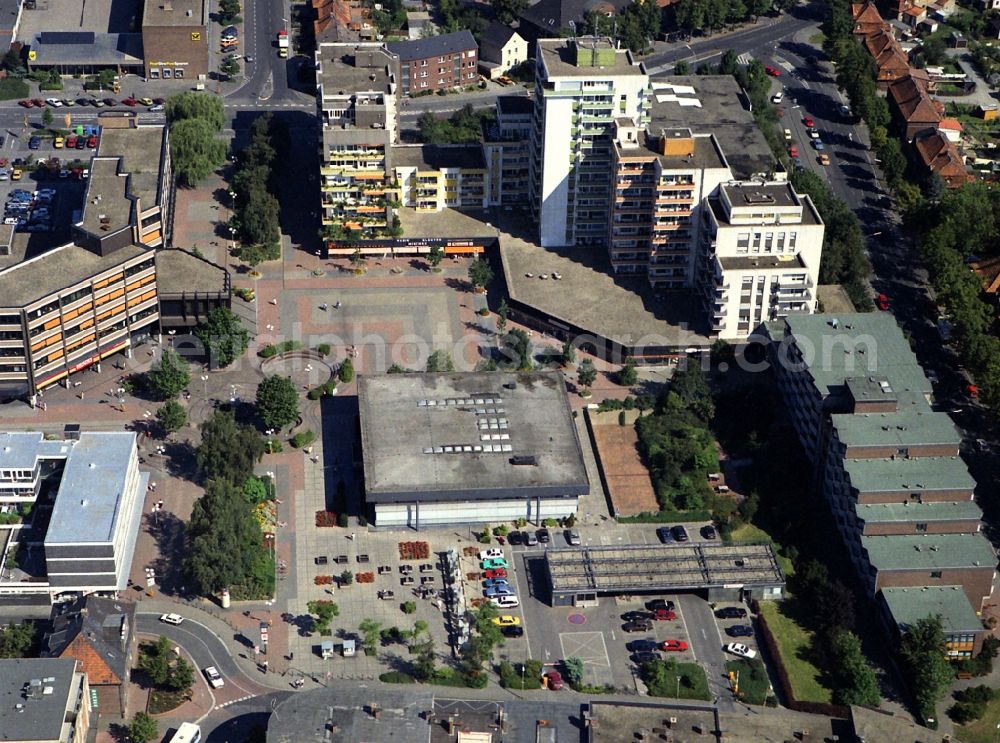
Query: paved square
point(590, 648)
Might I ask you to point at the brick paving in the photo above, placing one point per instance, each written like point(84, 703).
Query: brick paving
point(631, 490)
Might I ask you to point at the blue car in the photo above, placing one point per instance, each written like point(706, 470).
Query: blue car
point(496, 591)
point(34, 143)
point(740, 630)
point(495, 583)
point(818, 144)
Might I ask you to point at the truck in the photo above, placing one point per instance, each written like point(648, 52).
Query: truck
point(283, 44)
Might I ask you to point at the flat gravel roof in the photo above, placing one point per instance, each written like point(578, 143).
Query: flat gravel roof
point(461, 436)
point(924, 551)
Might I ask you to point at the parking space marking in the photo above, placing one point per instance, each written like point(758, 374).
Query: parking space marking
point(590, 648)
point(686, 633)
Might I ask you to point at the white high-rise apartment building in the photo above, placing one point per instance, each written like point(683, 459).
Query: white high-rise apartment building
point(582, 86)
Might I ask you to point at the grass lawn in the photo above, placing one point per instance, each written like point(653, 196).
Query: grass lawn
point(983, 730)
point(676, 680)
point(11, 88)
point(752, 533)
point(753, 682)
point(794, 643)
point(817, 39)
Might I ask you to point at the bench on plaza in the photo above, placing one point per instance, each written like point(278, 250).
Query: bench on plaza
point(363, 558)
point(406, 581)
point(320, 559)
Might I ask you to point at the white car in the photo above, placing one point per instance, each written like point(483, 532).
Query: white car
point(788, 135)
point(738, 648)
point(814, 133)
point(213, 677)
point(171, 618)
point(54, 102)
point(777, 97)
point(491, 554)
point(157, 107)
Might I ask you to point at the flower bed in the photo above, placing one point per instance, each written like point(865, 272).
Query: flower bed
point(414, 550)
point(323, 580)
point(326, 518)
point(364, 577)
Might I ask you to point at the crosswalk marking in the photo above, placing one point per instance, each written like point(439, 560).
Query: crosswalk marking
point(745, 59)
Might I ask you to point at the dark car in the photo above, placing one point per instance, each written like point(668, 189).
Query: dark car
point(515, 537)
point(646, 657)
point(543, 536)
point(740, 630)
point(663, 604)
point(512, 631)
point(640, 625)
point(34, 143)
point(635, 616)
point(81, 142)
point(708, 532)
point(731, 612)
point(664, 535)
point(110, 102)
point(680, 533)
point(645, 645)
point(159, 101)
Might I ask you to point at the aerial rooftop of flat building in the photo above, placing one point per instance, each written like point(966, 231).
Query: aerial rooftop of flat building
point(173, 13)
point(929, 551)
point(108, 208)
point(899, 430)
point(909, 605)
point(181, 272)
point(515, 105)
point(469, 435)
point(714, 103)
point(586, 56)
point(753, 195)
point(438, 157)
point(58, 268)
point(141, 151)
point(34, 696)
point(701, 153)
point(762, 262)
point(346, 68)
point(860, 344)
point(909, 511)
point(917, 474)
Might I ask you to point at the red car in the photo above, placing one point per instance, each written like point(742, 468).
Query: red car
point(130, 101)
point(883, 302)
point(808, 121)
point(793, 151)
point(677, 646)
point(38, 103)
point(92, 142)
point(27, 103)
point(973, 391)
point(664, 615)
point(71, 143)
point(772, 71)
point(495, 573)
point(553, 680)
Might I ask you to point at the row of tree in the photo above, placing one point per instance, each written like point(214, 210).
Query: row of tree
point(714, 15)
point(196, 120)
point(636, 26)
point(462, 127)
point(255, 184)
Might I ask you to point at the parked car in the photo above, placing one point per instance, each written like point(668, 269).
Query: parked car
point(674, 646)
point(91, 142)
point(494, 563)
point(496, 573)
point(58, 142)
point(772, 71)
point(490, 553)
point(507, 620)
point(708, 532)
point(156, 108)
point(130, 101)
point(883, 302)
point(788, 135)
point(81, 142)
point(793, 151)
point(664, 615)
point(680, 533)
point(213, 677)
point(543, 536)
point(530, 539)
point(34, 143)
point(646, 657)
point(635, 616)
point(27, 103)
point(664, 604)
point(515, 538)
point(505, 602)
point(68, 102)
point(740, 630)
point(171, 618)
point(71, 142)
point(808, 121)
point(818, 144)
point(645, 645)
point(664, 535)
point(110, 102)
point(495, 582)
point(499, 591)
point(778, 97)
point(54, 102)
point(146, 101)
point(824, 159)
point(743, 651)
point(512, 631)
point(731, 612)
point(639, 625)
point(573, 537)
point(814, 133)
point(553, 679)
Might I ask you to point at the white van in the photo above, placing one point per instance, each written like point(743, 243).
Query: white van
point(505, 602)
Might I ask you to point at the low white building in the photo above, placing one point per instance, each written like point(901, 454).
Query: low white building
point(500, 48)
point(760, 255)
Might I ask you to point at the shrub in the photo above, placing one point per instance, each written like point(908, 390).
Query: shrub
point(409, 607)
point(302, 439)
point(326, 518)
point(342, 520)
point(323, 349)
point(268, 351)
point(346, 578)
point(397, 677)
point(346, 371)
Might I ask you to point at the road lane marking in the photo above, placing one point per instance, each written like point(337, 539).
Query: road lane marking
point(688, 634)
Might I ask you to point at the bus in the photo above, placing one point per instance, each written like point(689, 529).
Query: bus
point(188, 732)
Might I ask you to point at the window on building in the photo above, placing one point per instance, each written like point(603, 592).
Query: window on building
point(742, 242)
point(935, 574)
point(756, 241)
point(768, 242)
point(791, 239)
point(781, 241)
point(921, 527)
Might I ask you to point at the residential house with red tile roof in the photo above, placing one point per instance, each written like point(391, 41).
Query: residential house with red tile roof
point(867, 19)
point(988, 271)
point(951, 129)
point(892, 62)
point(941, 156)
point(99, 634)
point(913, 107)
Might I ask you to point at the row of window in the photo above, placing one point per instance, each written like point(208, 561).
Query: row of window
point(747, 242)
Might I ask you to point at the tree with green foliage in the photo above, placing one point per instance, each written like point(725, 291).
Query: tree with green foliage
point(516, 350)
point(424, 660)
point(729, 62)
point(462, 127)
point(855, 681)
point(228, 450)
point(682, 67)
point(171, 416)
point(370, 629)
point(390, 18)
point(346, 371)
point(324, 611)
point(17, 640)
point(503, 311)
point(257, 490)
point(277, 401)
point(194, 105)
point(195, 150)
point(586, 373)
point(472, 658)
point(508, 11)
point(165, 668)
point(925, 666)
point(169, 375)
point(229, 11)
point(224, 336)
point(574, 671)
point(689, 383)
point(47, 116)
point(440, 361)
point(435, 256)
point(480, 273)
point(486, 627)
point(226, 549)
point(396, 369)
point(230, 67)
point(143, 728)
point(11, 62)
point(627, 375)
point(638, 24)
point(568, 353)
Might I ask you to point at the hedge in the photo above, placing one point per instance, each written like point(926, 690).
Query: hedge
point(665, 517)
point(397, 677)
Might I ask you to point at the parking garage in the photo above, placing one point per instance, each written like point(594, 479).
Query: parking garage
point(578, 576)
